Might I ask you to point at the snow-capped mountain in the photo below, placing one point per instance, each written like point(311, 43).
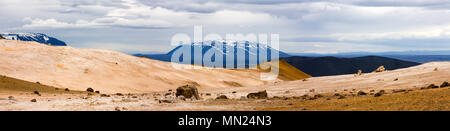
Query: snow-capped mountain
point(232, 52)
point(37, 37)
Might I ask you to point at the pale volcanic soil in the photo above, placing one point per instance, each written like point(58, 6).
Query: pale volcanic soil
point(143, 82)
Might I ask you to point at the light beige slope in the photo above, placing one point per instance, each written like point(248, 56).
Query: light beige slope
point(413, 77)
point(107, 71)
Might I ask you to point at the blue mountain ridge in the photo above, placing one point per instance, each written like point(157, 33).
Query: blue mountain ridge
point(229, 50)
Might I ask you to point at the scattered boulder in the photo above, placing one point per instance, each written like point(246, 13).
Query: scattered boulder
point(208, 94)
point(432, 86)
point(396, 79)
point(104, 95)
point(222, 97)
point(166, 100)
point(67, 89)
point(361, 93)
point(445, 84)
point(90, 90)
point(341, 97)
point(33, 100)
point(398, 90)
point(359, 73)
point(119, 94)
point(98, 92)
point(337, 94)
point(168, 94)
point(380, 69)
point(378, 94)
point(318, 96)
point(11, 97)
point(258, 95)
point(37, 93)
point(188, 91)
point(234, 92)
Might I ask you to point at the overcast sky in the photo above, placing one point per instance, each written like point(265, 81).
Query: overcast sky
point(305, 26)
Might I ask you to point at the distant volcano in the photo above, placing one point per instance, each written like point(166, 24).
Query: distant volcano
point(37, 37)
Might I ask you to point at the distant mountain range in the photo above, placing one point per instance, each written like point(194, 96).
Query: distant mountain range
point(414, 56)
point(326, 66)
point(37, 37)
point(229, 50)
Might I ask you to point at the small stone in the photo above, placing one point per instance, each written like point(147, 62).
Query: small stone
point(378, 94)
point(166, 100)
point(398, 90)
point(67, 89)
point(90, 90)
point(234, 92)
point(33, 100)
point(98, 92)
point(445, 84)
point(361, 93)
point(104, 95)
point(222, 97)
point(119, 94)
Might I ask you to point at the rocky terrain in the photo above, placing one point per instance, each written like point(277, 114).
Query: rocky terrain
point(41, 77)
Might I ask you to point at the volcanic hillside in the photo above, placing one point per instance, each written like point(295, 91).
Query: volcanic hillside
point(108, 71)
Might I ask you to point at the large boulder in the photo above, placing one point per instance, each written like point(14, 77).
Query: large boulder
point(188, 91)
point(380, 69)
point(445, 84)
point(258, 95)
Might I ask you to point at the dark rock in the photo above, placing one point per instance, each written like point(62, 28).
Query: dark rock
point(432, 86)
point(341, 97)
point(361, 93)
point(222, 97)
point(67, 89)
point(377, 94)
point(188, 91)
point(104, 95)
point(258, 95)
point(37, 93)
point(33, 100)
point(98, 92)
point(337, 94)
point(445, 84)
point(396, 79)
point(168, 94)
point(398, 90)
point(90, 90)
point(318, 96)
point(119, 94)
point(234, 92)
point(208, 94)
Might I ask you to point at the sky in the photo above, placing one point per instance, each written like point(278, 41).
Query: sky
point(304, 26)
